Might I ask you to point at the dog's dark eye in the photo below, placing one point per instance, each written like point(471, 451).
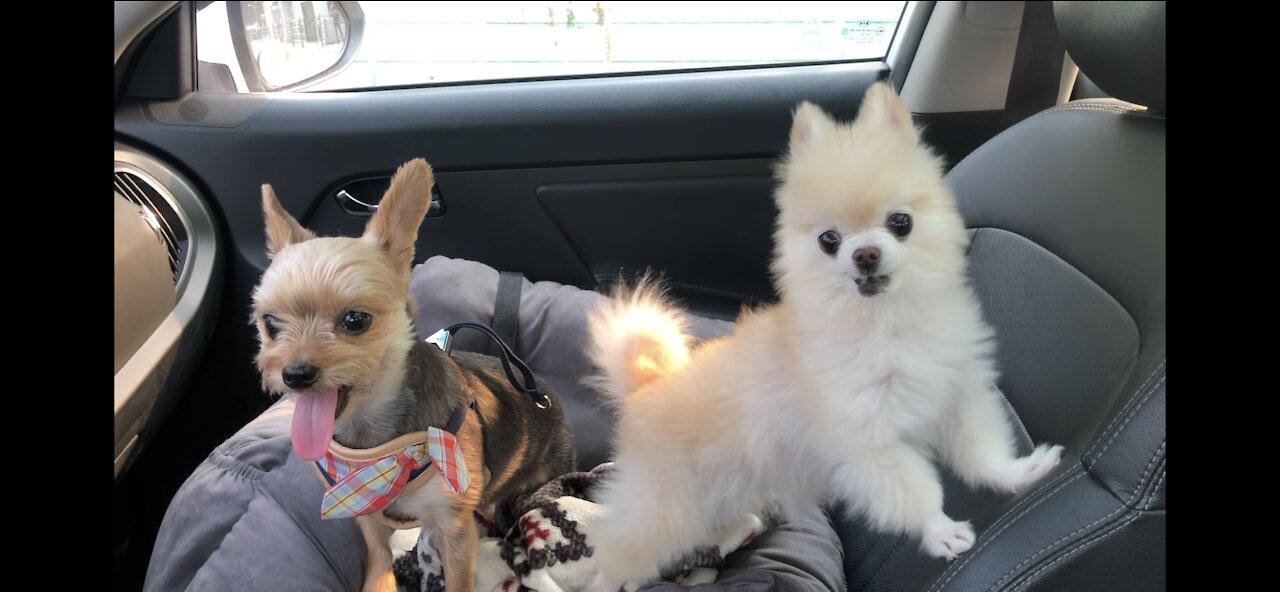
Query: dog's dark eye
point(272, 325)
point(829, 242)
point(356, 321)
point(899, 224)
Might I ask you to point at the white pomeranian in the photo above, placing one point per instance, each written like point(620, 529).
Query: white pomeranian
point(875, 359)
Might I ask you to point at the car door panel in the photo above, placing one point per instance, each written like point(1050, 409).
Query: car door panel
point(495, 145)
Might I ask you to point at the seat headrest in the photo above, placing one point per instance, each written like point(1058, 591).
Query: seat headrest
point(1118, 45)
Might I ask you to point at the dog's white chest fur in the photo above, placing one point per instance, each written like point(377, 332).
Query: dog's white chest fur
point(875, 389)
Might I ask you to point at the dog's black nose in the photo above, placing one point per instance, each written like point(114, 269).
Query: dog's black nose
point(300, 375)
point(866, 258)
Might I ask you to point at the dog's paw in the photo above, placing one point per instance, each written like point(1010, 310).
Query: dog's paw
point(384, 582)
point(947, 539)
point(601, 583)
point(1031, 468)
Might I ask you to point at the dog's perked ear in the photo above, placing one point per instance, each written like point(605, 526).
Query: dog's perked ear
point(881, 106)
point(282, 229)
point(808, 123)
point(395, 225)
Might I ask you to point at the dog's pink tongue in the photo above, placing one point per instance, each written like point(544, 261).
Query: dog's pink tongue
point(313, 422)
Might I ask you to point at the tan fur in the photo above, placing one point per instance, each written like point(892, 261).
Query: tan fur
point(311, 283)
point(355, 275)
point(378, 558)
point(395, 225)
point(450, 518)
point(282, 229)
point(457, 544)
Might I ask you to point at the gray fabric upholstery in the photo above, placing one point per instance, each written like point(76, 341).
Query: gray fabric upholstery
point(248, 517)
point(1120, 44)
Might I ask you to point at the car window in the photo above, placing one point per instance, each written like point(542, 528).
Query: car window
point(328, 45)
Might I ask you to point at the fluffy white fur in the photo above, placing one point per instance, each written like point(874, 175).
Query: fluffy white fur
point(835, 392)
point(638, 337)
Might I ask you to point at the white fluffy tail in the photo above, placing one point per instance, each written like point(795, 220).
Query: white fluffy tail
point(636, 337)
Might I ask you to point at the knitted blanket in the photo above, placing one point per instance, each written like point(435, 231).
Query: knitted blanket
point(542, 542)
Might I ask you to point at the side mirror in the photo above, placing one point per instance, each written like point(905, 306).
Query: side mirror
point(284, 45)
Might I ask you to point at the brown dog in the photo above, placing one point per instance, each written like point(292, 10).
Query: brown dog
point(335, 322)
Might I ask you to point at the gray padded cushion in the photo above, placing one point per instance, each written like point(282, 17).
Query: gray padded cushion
point(553, 336)
point(1120, 45)
point(1069, 342)
point(248, 519)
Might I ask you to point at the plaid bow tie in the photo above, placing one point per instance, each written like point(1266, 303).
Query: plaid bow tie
point(361, 482)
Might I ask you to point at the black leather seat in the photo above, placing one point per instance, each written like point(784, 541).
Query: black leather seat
point(1067, 214)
